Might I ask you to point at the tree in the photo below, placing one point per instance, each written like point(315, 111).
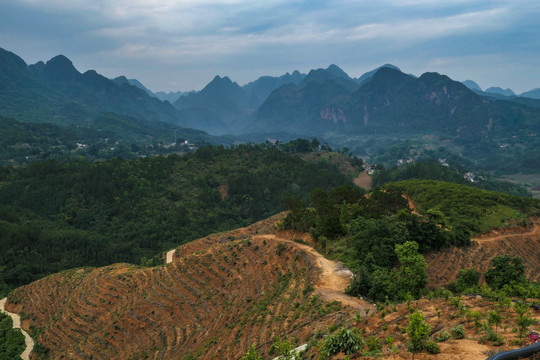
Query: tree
point(506, 270)
point(467, 278)
point(418, 331)
point(413, 272)
point(494, 318)
point(524, 320)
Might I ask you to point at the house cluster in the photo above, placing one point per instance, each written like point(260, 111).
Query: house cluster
point(402, 162)
point(443, 162)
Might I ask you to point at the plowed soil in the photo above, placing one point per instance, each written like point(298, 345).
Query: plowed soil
point(443, 266)
point(219, 295)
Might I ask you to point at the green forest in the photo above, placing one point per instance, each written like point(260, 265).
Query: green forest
point(56, 216)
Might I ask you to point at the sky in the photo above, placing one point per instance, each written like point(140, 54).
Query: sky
point(172, 45)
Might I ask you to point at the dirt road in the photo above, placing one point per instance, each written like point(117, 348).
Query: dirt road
point(17, 325)
point(333, 278)
point(535, 230)
point(170, 256)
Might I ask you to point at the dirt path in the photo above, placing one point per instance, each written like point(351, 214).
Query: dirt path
point(412, 204)
point(170, 256)
point(333, 279)
point(493, 237)
point(17, 325)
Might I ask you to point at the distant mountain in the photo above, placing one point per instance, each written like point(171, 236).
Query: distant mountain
point(261, 88)
point(222, 99)
point(533, 94)
point(332, 73)
point(500, 91)
point(389, 102)
point(56, 92)
point(368, 75)
point(472, 85)
point(171, 96)
point(121, 80)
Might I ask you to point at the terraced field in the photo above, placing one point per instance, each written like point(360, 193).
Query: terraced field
point(219, 295)
point(443, 266)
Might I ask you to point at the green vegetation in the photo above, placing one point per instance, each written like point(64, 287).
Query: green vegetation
point(284, 348)
point(251, 354)
point(466, 279)
point(345, 340)
point(461, 207)
point(505, 270)
point(430, 169)
point(418, 331)
point(458, 331)
point(11, 340)
point(368, 232)
point(524, 318)
point(55, 215)
point(109, 136)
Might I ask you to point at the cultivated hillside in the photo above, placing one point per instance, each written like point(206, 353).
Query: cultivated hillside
point(443, 266)
point(229, 290)
point(221, 294)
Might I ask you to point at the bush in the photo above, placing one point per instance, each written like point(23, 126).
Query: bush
point(458, 331)
point(443, 336)
point(432, 347)
point(346, 340)
point(373, 343)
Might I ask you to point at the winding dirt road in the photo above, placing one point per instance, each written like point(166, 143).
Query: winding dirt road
point(17, 325)
point(333, 278)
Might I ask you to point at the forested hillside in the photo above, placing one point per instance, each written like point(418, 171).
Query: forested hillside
point(55, 215)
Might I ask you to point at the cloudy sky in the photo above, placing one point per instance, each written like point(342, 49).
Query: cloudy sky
point(182, 44)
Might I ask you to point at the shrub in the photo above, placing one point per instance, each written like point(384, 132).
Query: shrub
point(458, 331)
point(346, 340)
point(373, 343)
point(432, 347)
point(443, 336)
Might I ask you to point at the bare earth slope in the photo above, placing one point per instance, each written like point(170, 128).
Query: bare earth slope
point(443, 266)
point(219, 295)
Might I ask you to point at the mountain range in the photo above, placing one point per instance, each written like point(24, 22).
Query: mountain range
point(366, 114)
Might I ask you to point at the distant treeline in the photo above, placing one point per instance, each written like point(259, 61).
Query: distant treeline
point(431, 169)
